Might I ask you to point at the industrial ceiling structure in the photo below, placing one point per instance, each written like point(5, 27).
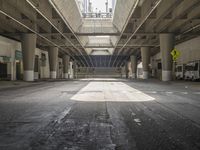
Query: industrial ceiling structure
point(93, 40)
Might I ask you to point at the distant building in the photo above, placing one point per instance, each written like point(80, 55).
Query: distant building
point(81, 5)
point(90, 9)
point(113, 5)
point(85, 4)
point(106, 6)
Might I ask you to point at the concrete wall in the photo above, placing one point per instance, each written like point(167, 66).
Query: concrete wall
point(99, 72)
point(8, 47)
point(44, 70)
point(190, 51)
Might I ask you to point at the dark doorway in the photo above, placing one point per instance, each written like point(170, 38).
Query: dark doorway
point(18, 71)
point(37, 65)
point(3, 71)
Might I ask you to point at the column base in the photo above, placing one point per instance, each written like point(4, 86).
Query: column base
point(166, 75)
point(145, 75)
point(153, 72)
point(53, 74)
point(28, 75)
point(123, 76)
point(71, 76)
point(134, 76)
point(36, 75)
point(66, 75)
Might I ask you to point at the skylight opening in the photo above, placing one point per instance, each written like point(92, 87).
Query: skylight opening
point(96, 8)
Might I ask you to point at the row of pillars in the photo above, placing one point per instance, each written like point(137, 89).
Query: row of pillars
point(28, 52)
point(166, 46)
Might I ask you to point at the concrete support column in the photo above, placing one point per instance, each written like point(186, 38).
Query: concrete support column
point(166, 46)
point(74, 69)
point(36, 68)
point(66, 59)
point(53, 60)
point(28, 52)
point(134, 66)
point(126, 70)
point(71, 72)
point(145, 52)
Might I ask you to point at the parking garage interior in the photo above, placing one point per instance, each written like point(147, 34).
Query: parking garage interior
point(99, 75)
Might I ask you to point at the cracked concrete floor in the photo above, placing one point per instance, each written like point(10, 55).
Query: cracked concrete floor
point(101, 115)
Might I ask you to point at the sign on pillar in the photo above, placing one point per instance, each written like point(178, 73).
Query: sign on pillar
point(175, 54)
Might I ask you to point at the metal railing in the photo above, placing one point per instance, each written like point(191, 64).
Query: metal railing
point(97, 15)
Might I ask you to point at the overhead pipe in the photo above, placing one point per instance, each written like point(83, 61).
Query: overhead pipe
point(142, 22)
point(124, 27)
point(56, 9)
point(34, 7)
point(7, 15)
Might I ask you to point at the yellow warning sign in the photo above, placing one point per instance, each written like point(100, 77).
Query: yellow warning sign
point(175, 54)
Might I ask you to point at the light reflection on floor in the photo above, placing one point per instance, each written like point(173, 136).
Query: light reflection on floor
point(110, 91)
point(99, 79)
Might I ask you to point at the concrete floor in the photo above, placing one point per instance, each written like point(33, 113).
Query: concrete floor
point(101, 115)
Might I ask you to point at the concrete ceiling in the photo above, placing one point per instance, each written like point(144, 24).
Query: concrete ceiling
point(141, 27)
